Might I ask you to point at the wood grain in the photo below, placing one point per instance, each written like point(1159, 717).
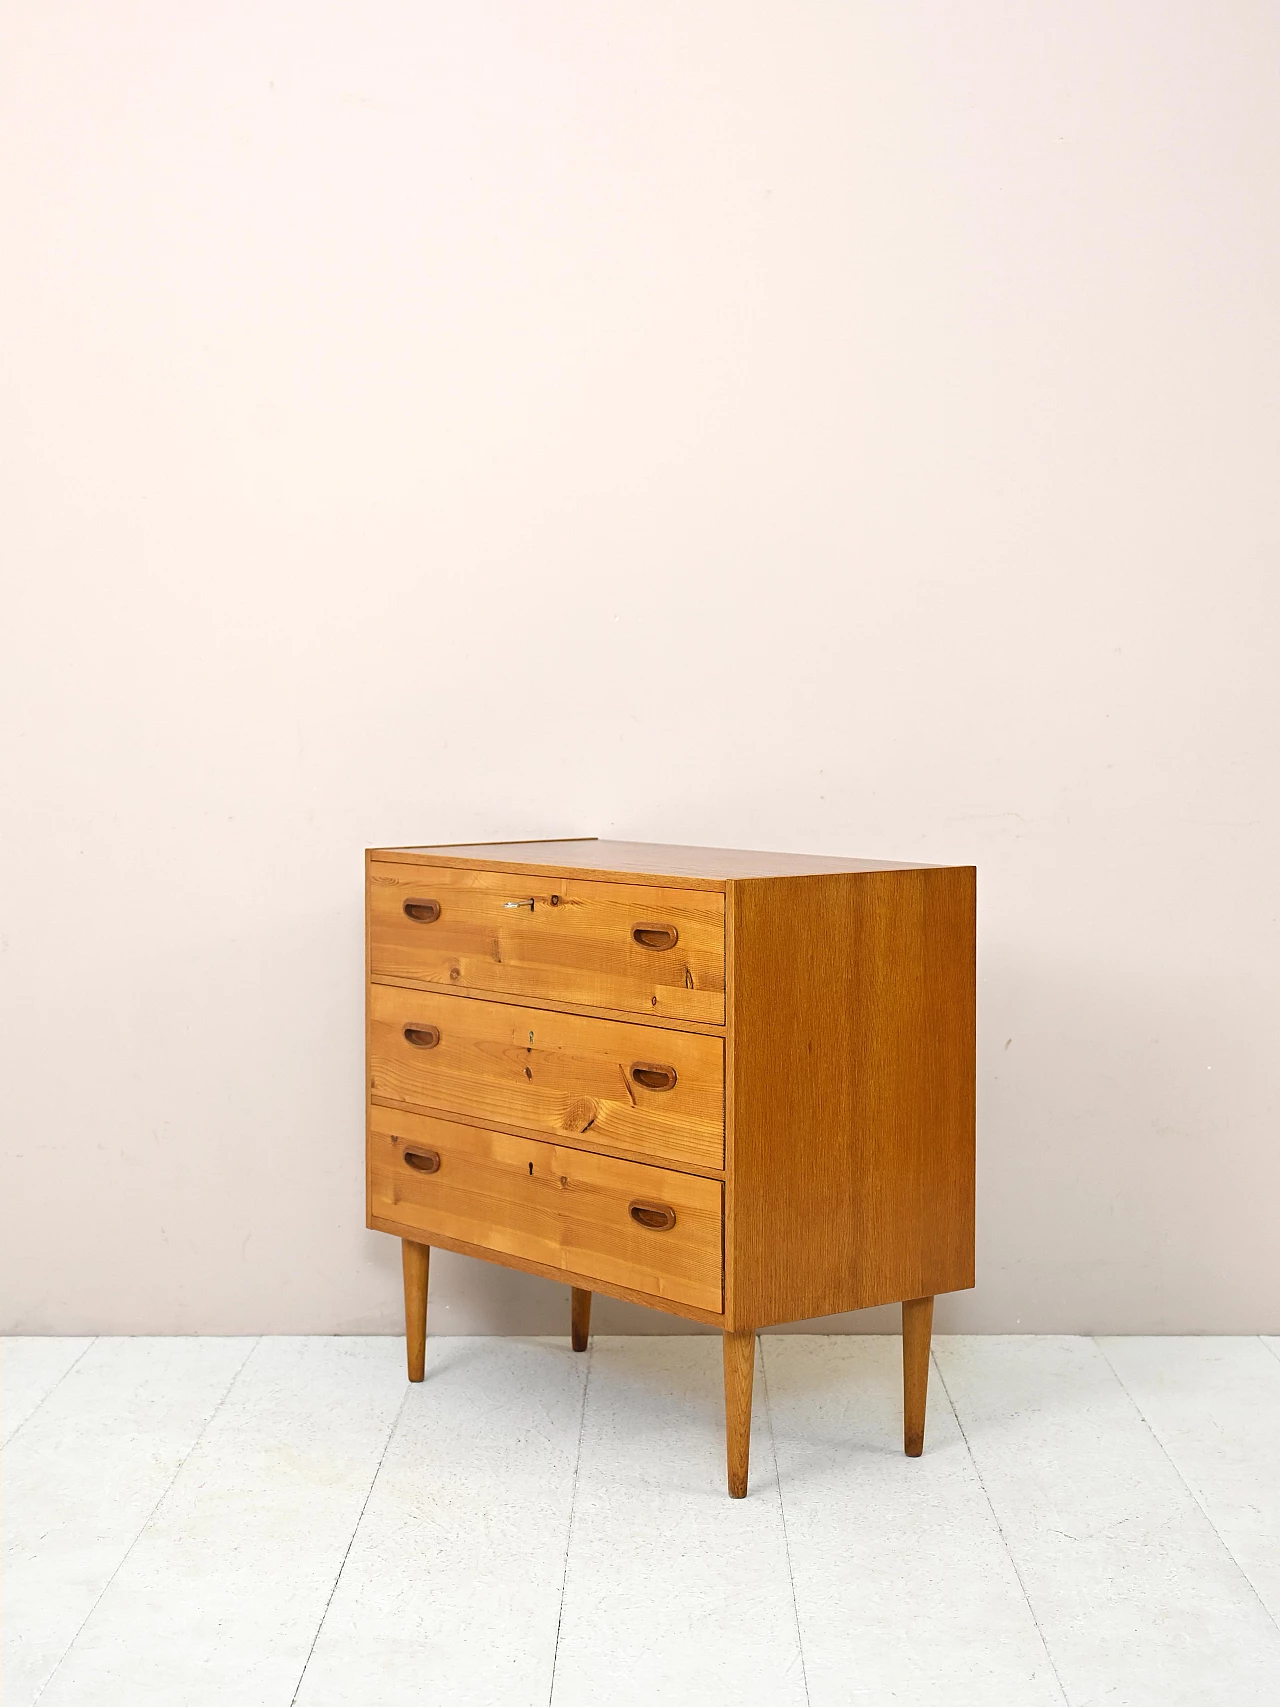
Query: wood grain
point(580, 1318)
point(415, 1260)
point(562, 1208)
point(917, 1330)
point(559, 1273)
point(851, 1177)
point(688, 867)
point(574, 944)
point(651, 1021)
point(575, 1141)
point(739, 1377)
point(552, 1073)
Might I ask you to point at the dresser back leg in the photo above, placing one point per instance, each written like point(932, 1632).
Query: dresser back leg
point(917, 1326)
point(580, 1318)
point(416, 1259)
point(739, 1373)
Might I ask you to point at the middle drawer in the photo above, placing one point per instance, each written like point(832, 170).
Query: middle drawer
point(633, 1088)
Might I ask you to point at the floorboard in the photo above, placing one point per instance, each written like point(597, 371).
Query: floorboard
point(82, 1478)
point(904, 1587)
point(30, 1369)
point(1214, 1406)
point(1137, 1596)
point(287, 1523)
point(451, 1592)
point(674, 1592)
point(220, 1598)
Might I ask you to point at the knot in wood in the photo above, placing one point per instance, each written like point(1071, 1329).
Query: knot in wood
point(580, 1114)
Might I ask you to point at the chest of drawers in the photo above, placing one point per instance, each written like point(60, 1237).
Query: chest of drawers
point(735, 1086)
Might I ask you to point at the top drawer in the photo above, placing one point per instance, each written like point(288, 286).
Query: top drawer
point(605, 945)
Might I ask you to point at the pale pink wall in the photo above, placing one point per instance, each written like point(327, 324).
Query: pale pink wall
point(845, 427)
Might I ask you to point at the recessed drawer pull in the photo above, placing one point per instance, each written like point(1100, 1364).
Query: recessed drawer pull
point(422, 1036)
point(652, 1077)
point(660, 1216)
point(426, 1161)
point(425, 912)
point(655, 936)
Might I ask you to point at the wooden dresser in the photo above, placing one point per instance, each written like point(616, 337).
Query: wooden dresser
point(735, 1086)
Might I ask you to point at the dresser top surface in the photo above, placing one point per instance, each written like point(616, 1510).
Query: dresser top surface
point(648, 859)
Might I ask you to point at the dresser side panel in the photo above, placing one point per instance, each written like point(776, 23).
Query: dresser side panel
point(852, 1149)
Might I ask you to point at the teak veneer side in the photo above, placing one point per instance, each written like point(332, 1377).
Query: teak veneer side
point(852, 1137)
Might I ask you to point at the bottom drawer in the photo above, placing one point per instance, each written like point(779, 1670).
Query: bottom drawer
point(649, 1229)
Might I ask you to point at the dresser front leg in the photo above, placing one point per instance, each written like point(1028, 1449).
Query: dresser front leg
point(580, 1318)
point(739, 1373)
point(917, 1326)
point(416, 1260)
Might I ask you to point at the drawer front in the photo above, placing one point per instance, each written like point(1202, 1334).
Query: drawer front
point(564, 1208)
point(560, 1074)
point(603, 945)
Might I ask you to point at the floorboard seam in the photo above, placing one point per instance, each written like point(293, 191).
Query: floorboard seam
point(74, 1361)
point(573, 1500)
point(995, 1518)
point(782, 1511)
point(355, 1530)
point(146, 1523)
point(1197, 1501)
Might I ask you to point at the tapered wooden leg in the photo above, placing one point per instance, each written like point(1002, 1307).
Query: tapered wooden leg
point(416, 1259)
point(917, 1325)
point(580, 1318)
point(739, 1372)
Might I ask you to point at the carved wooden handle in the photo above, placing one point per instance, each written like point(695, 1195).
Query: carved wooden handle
point(425, 912)
point(655, 936)
point(426, 1161)
point(660, 1216)
point(422, 1036)
point(653, 1077)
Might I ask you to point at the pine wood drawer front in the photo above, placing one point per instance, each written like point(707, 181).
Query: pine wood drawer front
point(588, 1080)
point(603, 945)
point(646, 1228)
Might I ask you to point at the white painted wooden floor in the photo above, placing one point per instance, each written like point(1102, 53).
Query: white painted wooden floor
point(258, 1523)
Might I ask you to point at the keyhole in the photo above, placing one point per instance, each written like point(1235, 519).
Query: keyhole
point(530, 1170)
